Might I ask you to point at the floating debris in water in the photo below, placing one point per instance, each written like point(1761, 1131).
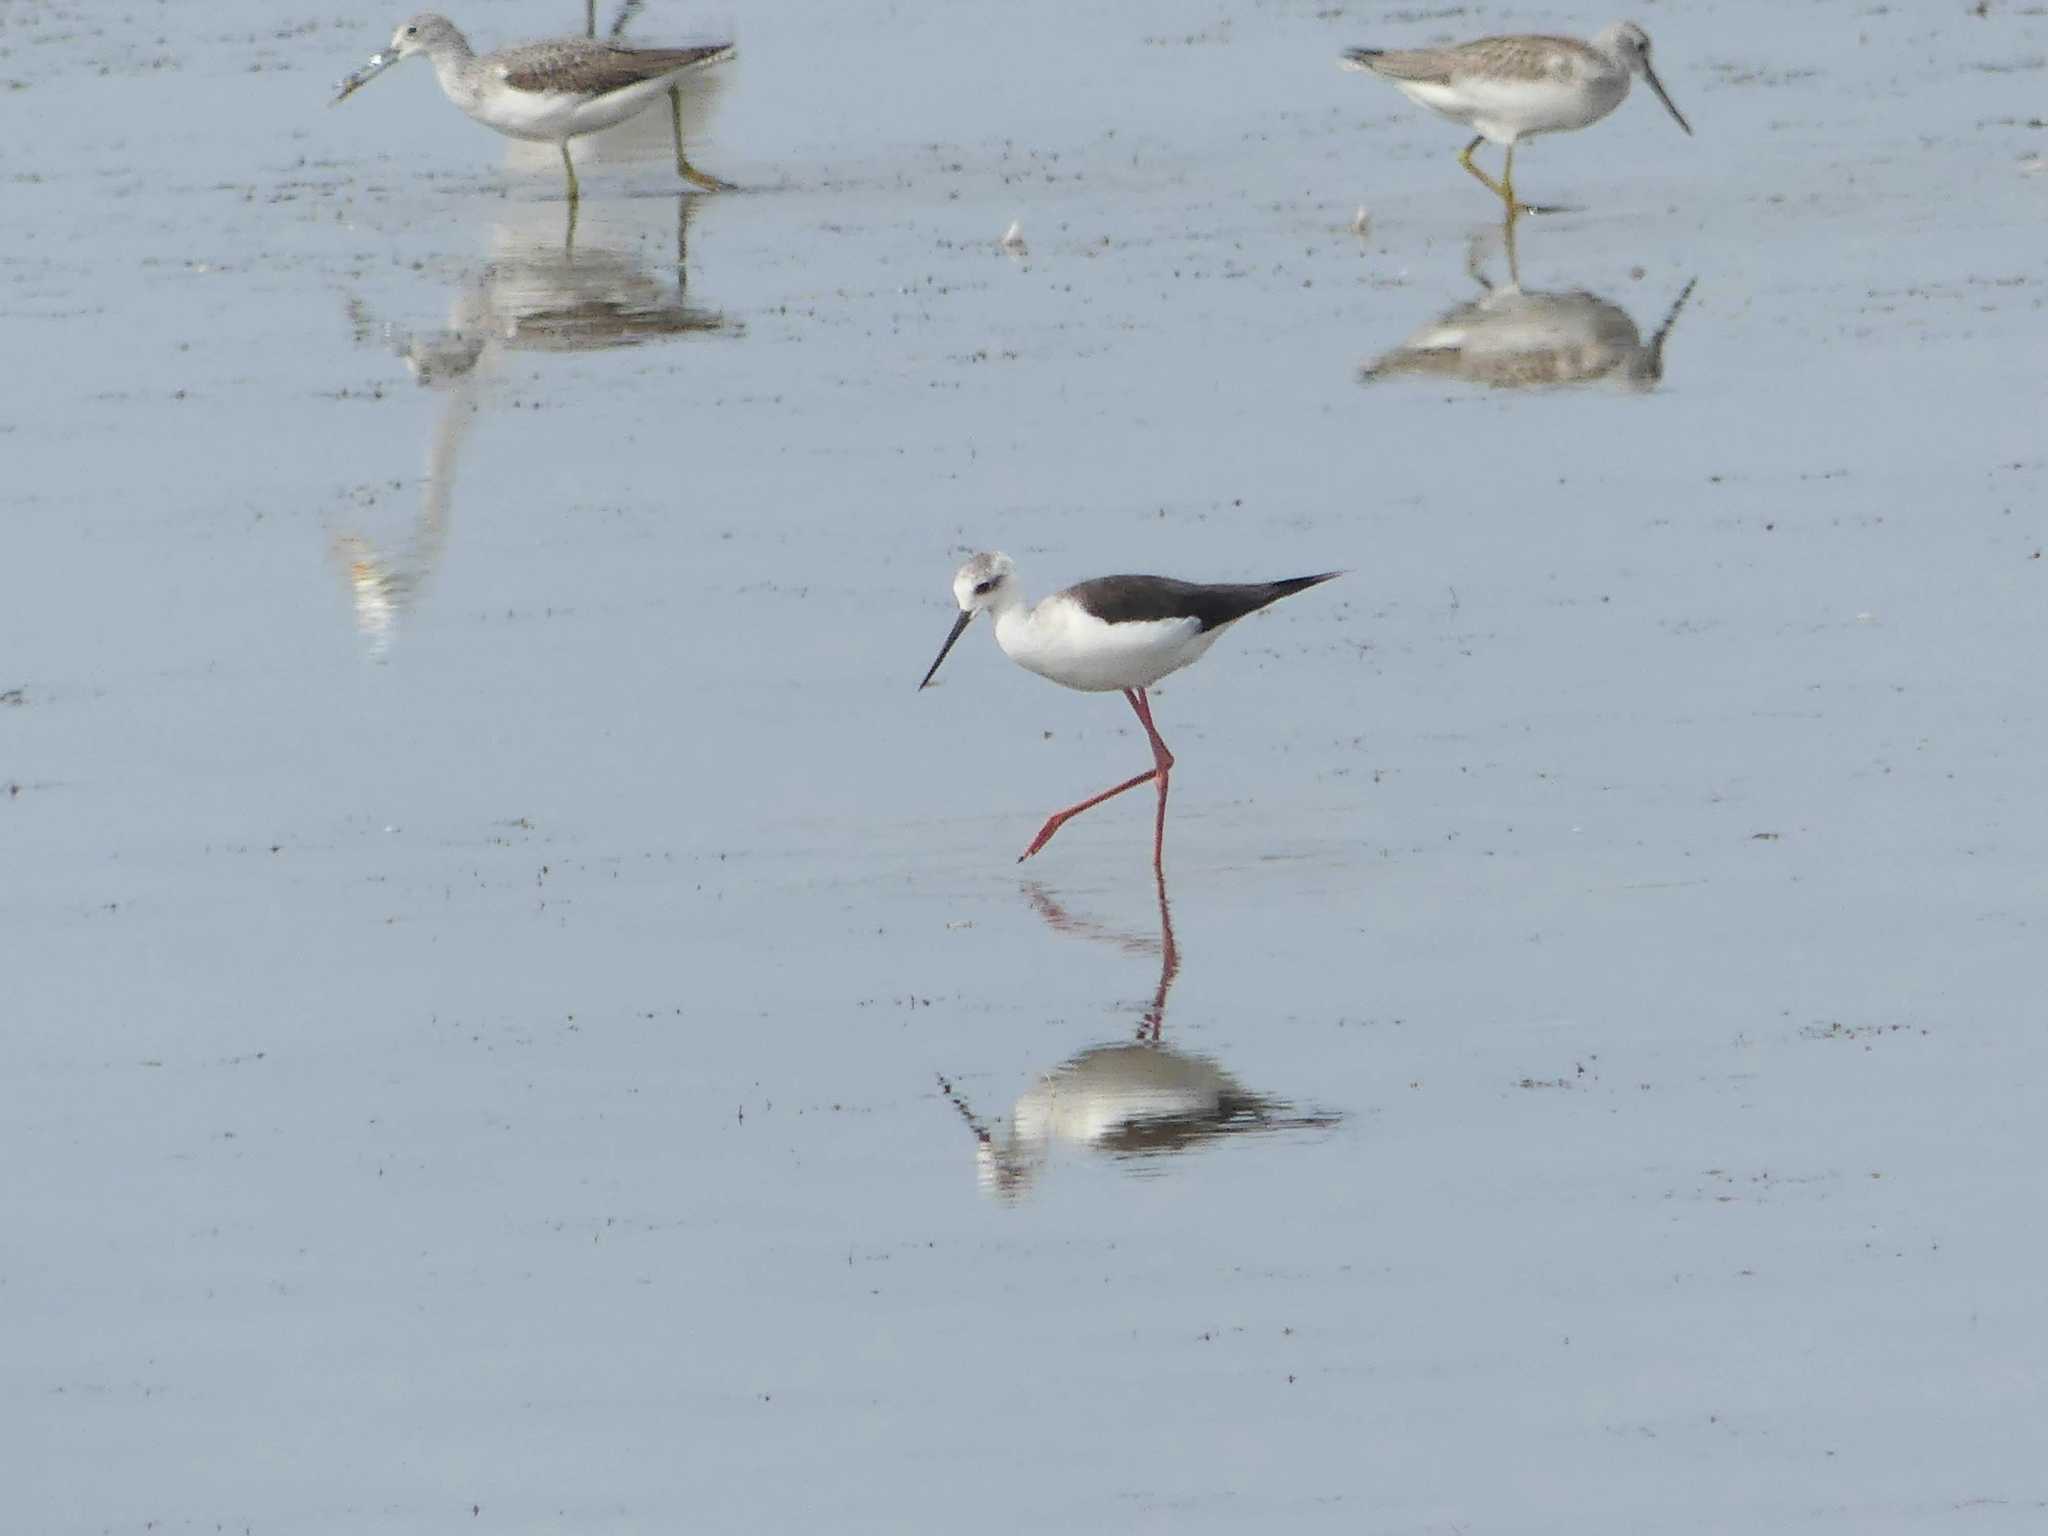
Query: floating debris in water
point(1013, 237)
point(1361, 221)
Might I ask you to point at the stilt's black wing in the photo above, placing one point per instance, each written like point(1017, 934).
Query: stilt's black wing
point(1146, 599)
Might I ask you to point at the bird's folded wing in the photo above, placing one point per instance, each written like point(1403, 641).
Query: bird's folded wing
point(1523, 58)
point(1496, 58)
point(583, 68)
point(1425, 66)
point(1161, 599)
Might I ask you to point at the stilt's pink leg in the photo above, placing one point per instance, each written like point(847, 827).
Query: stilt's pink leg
point(1060, 818)
point(1169, 966)
point(1162, 762)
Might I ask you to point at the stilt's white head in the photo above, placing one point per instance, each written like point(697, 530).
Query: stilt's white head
point(1630, 44)
point(980, 582)
point(987, 581)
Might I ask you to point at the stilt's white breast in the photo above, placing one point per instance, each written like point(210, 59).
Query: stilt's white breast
point(1061, 640)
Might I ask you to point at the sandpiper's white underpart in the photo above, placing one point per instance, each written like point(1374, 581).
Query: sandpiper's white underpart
point(1111, 634)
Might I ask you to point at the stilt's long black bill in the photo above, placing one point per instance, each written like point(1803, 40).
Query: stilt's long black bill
point(959, 624)
point(1657, 85)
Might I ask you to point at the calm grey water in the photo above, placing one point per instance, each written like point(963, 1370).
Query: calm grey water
point(507, 981)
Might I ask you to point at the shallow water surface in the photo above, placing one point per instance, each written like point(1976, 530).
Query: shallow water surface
point(523, 1017)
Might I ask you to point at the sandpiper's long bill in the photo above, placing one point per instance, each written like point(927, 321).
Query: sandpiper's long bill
point(1511, 88)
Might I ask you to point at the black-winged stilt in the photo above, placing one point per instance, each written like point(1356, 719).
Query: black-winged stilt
point(1112, 634)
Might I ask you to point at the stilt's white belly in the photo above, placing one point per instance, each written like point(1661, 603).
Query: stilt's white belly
point(1061, 641)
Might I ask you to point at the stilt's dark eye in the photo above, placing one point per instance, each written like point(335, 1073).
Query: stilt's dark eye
point(412, 31)
point(983, 588)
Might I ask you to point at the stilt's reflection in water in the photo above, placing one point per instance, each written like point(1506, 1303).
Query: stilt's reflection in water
point(1515, 338)
point(1137, 1101)
point(538, 293)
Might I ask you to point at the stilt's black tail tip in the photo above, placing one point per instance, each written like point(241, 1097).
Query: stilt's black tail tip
point(1294, 584)
point(1360, 58)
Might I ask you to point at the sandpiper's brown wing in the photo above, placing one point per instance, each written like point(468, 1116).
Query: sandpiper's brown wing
point(1494, 58)
point(580, 67)
point(1527, 58)
point(1425, 66)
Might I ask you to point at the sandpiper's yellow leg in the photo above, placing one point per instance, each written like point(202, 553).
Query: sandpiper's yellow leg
point(1504, 189)
point(1487, 181)
point(570, 166)
point(684, 169)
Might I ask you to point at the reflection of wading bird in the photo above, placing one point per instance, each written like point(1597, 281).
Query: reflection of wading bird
point(551, 91)
point(1513, 88)
point(1513, 339)
point(1112, 634)
point(536, 297)
point(532, 297)
point(1134, 1101)
point(385, 586)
